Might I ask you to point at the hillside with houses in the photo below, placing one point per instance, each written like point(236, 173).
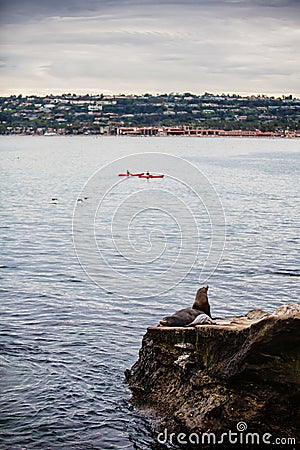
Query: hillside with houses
point(151, 115)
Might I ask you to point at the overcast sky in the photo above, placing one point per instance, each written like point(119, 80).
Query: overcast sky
point(139, 46)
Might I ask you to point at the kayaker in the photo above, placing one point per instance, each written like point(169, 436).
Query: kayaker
point(128, 173)
point(148, 173)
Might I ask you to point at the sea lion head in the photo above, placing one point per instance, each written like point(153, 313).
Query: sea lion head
point(168, 321)
point(203, 289)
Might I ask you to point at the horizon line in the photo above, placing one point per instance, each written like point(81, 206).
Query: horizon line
point(105, 93)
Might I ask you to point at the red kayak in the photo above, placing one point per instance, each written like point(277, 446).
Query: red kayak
point(151, 176)
point(131, 174)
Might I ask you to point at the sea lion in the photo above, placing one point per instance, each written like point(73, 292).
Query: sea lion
point(181, 318)
point(201, 301)
point(187, 316)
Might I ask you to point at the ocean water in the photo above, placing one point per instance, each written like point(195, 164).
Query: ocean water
point(81, 280)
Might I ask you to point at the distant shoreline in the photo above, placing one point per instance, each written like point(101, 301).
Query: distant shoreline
point(156, 136)
point(148, 115)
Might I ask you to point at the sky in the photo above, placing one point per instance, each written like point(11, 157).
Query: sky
point(148, 46)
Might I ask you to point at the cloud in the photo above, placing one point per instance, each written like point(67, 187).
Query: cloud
point(130, 46)
point(13, 11)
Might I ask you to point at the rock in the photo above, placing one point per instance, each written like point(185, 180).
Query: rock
point(211, 377)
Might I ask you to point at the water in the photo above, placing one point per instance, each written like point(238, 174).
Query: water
point(65, 342)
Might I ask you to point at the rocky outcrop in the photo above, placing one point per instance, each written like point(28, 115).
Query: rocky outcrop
point(210, 377)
